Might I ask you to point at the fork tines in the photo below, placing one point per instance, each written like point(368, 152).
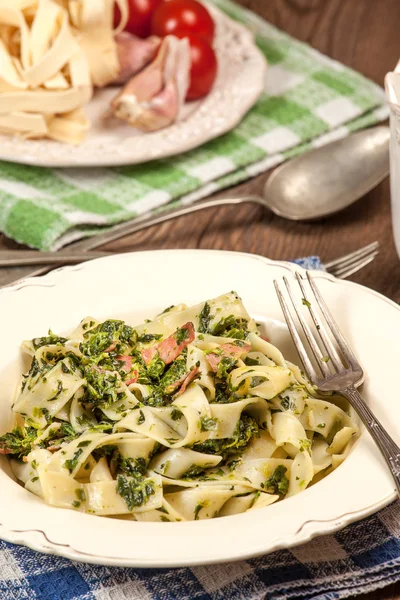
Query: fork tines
point(347, 265)
point(329, 361)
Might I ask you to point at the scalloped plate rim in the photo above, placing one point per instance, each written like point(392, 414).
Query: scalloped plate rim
point(309, 529)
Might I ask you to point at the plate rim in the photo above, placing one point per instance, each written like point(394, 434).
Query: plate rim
point(38, 539)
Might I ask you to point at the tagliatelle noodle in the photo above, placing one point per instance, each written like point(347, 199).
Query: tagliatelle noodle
point(52, 53)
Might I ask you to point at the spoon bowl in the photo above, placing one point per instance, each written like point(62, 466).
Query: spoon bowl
point(329, 178)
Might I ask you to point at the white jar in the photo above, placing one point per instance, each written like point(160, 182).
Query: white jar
point(392, 85)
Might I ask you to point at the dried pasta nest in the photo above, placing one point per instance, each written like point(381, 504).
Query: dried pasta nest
point(52, 54)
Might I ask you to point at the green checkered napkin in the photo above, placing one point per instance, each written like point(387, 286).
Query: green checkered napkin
point(309, 100)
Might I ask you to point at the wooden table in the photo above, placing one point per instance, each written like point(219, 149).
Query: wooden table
point(364, 35)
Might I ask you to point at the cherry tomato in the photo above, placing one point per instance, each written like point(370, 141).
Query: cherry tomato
point(183, 15)
point(140, 15)
point(204, 66)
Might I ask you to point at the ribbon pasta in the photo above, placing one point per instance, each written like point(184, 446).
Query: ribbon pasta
point(190, 416)
point(52, 53)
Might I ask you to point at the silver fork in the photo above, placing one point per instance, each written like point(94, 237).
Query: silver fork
point(347, 265)
point(341, 267)
point(342, 376)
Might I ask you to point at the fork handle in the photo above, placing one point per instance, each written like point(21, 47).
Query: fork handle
point(388, 447)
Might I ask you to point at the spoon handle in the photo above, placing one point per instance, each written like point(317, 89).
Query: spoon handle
point(77, 252)
point(161, 216)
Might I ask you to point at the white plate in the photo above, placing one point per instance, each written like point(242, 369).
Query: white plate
point(241, 79)
point(136, 286)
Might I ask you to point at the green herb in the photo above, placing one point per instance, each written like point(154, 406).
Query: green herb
point(176, 372)
point(193, 472)
point(306, 302)
point(233, 464)
point(162, 510)
point(155, 368)
point(305, 445)
point(84, 443)
point(80, 494)
point(244, 432)
point(225, 366)
point(232, 327)
point(141, 418)
point(35, 368)
point(76, 504)
point(208, 424)
point(101, 386)
point(101, 428)
point(48, 340)
point(57, 393)
point(107, 450)
point(287, 403)
point(204, 319)
point(197, 510)
point(34, 479)
point(145, 338)
point(176, 414)
point(165, 466)
point(72, 463)
point(135, 491)
point(325, 359)
point(64, 368)
point(166, 310)
point(278, 483)
point(321, 425)
point(181, 334)
point(251, 362)
point(133, 466)
point(18, 442)
point(98, 340)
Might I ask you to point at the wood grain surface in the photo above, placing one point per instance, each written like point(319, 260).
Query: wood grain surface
point(362, 34)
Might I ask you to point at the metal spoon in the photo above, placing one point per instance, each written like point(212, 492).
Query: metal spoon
point(314, 185)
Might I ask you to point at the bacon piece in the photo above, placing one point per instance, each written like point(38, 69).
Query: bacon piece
point(127, 360)
point(154, 98)
point(191, 376)
point(169, 349)
point(111, 347)
point(133, 379)
point(134, 54)
point(182, 382)
point(149, 353)
point(127, 367)
point(227, 351)
point(54, 448)
point(5, 451)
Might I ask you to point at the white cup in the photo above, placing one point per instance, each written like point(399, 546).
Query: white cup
point(392, 85)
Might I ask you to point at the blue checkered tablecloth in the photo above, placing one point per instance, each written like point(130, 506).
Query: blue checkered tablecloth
point(361, 558)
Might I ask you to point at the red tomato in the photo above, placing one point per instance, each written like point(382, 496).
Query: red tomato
point(188, 16)
point(140, 14)
point(204, 66)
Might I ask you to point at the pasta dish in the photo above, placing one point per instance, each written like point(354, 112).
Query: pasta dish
point(192, 415)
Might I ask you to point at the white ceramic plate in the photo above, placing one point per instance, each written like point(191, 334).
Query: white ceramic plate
point(139, 285)
point(241, 79)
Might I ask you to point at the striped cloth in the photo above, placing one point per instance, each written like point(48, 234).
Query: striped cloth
point(309, 100)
